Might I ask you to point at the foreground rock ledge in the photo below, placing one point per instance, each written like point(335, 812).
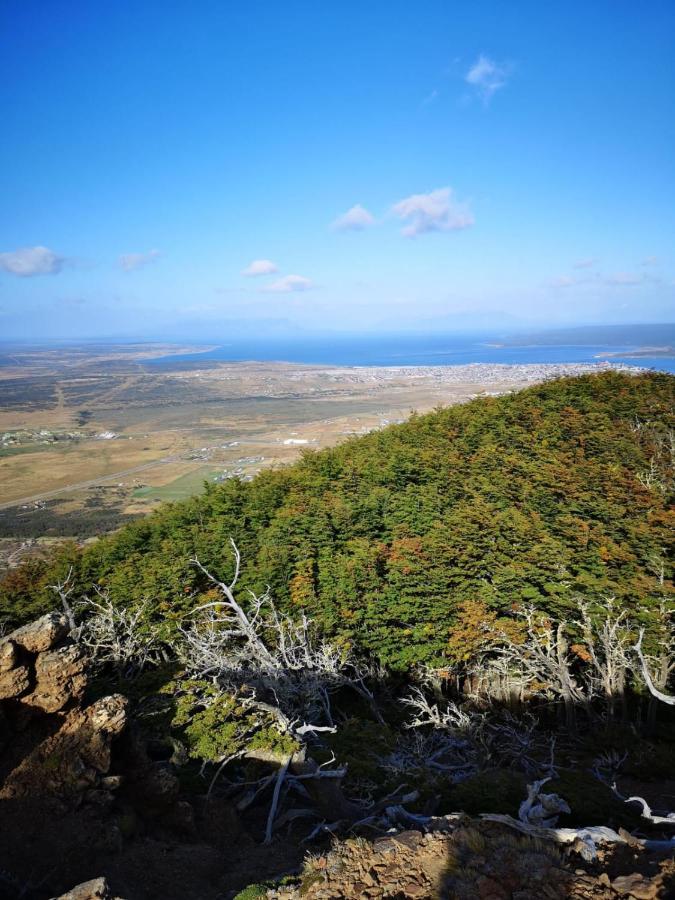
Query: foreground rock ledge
point(96, 889)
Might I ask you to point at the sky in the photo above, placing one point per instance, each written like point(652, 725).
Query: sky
point(202, 169)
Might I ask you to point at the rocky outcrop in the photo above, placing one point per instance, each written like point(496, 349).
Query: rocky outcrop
point(96, 889)
point(43, 634)
point(74, 761)
point(39, 668)
point(467, 860)
point(14, 683)
point(43, 672)
point(59, 678)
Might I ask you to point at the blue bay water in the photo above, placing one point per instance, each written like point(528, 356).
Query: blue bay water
point(413, 350)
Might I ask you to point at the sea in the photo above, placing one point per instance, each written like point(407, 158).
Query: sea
point(415, 350)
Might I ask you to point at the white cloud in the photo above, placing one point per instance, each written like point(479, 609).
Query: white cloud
point(623, 279)
point(650, 261)
point(585, 263)
point(131, 261)
point(563, 281)
point(260, 267)
point(289, 284)
point(435, 211)
point(29, 261)
point(487, 76)
point(355, 219)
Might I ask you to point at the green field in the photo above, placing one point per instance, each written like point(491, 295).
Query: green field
point(179, 488)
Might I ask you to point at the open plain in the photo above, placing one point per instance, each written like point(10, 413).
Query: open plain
point(93, 435)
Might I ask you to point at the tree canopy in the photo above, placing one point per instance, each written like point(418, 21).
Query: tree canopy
point(539, 497)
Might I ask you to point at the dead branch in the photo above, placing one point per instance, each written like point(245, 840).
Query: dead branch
point(664, 698)
point(119, 636)
point(275, 800)
point(64, 589)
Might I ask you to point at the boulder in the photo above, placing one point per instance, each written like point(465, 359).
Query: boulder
point(72, 761)
point(43, 634)
point(8, 655)
point(14, 683)
point(96, 889)
point(59, 678)
point(638, 886)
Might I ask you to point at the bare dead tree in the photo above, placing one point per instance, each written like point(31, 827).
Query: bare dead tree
point(543, 660)
point(652, 478)
point(282, 658)
point(118, 636)
point(63, 589)
point(449, 717)
point(281, 666)
point(607, 642)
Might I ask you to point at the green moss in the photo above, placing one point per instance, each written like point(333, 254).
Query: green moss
point(214, 725)
point(272, 739)
point(252, 892)
point(308, 882)
point(259, 890)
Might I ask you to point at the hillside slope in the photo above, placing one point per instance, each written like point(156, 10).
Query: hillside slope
point(559, 491)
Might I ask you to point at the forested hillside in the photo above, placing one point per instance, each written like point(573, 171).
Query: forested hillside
point(395, 541)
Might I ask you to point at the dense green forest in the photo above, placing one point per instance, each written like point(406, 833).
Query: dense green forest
point(557, 492)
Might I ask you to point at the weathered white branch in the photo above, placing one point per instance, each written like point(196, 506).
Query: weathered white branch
point(64, 589)
point(664, 698)
point(275, 800)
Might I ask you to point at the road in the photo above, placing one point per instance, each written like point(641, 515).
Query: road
point(82, 485)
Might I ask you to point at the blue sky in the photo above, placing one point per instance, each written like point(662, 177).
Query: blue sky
point(380, 165)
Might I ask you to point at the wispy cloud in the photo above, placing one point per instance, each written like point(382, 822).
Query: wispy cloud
point(585, 263)
point(486, 76)
point(650, 261)
point(563, 281)
point(623, 279)
point(435, 211)
point(289, 284)
point(29, 261)
point(355, 219)
point(431, 97)
point(130, 261)
point(260, 267)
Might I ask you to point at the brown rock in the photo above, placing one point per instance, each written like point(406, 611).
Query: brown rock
point(8, 655)
point(409, 839)
point(43, 634)
point(59, 678)
point(637, 886)
point(14, 683)
point(70, 761)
